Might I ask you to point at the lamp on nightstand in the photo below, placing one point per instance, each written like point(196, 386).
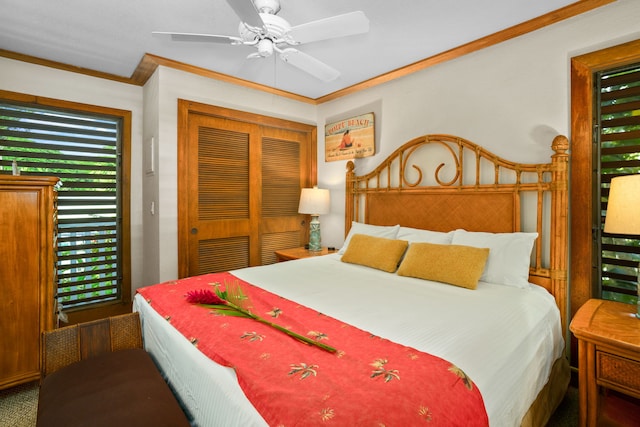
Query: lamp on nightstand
point(314, 201)
point(623, 211)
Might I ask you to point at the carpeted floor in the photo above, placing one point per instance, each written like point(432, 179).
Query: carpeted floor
point(18, 407)
point(567, 413)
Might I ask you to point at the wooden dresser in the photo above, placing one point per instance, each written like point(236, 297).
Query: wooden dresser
point(27, 273)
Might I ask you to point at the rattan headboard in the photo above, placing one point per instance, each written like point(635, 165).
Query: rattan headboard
point(443, 182)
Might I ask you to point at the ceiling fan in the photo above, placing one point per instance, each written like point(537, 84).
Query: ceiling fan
point(262, 28)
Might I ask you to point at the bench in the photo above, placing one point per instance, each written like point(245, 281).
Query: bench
point(98, 374)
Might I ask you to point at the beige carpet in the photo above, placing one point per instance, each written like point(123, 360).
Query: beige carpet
point(19, 405)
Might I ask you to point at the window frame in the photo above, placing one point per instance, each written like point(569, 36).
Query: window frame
point(109, 308)
point(583, 69)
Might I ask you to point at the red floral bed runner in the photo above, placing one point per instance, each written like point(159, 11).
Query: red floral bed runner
point(368, 381)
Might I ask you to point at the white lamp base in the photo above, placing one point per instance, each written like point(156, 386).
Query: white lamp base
point(314, 234)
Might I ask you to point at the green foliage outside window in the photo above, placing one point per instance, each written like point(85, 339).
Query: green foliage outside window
point(82, 151)
point(619, 144)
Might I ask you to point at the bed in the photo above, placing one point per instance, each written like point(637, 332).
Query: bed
point(498, 315)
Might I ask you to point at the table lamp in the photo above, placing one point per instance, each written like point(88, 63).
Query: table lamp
point(314, 201)
point(623, 213)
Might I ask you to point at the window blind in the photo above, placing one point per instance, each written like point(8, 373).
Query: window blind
point(618, 133)
point(81, 150)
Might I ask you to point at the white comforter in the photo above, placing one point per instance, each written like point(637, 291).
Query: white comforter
point(506, 339)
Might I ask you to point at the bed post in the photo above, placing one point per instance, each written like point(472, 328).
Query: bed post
point(559, 228)
point(350, 196)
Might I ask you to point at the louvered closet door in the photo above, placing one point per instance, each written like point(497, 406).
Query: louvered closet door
point(244, 186)
point(284, 170)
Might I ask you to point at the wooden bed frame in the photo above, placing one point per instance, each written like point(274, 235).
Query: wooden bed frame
point(473, 189)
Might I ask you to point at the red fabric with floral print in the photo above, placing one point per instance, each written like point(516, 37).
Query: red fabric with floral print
point(369, 381)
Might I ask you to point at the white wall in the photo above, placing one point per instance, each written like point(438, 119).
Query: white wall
point(512, 98)
point(150, 257)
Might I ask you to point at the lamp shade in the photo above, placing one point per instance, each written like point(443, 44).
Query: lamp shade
point(314, 201)
point(623, 208)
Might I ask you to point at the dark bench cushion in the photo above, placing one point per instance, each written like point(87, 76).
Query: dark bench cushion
point(122, 388)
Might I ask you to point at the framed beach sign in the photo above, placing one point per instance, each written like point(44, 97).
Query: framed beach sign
point(350, 138)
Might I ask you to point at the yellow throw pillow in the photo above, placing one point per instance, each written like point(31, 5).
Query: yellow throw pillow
point(375, 252)
point(453, 264)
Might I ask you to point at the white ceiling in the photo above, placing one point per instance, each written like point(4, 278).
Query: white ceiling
point(113, 36)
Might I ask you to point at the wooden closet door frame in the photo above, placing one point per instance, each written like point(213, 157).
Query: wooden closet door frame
point(582, 109)
point(185, 108)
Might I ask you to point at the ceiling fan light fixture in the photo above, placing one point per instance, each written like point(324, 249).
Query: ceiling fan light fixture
point(265, 48)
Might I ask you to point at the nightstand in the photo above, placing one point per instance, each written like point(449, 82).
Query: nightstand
point(298, 253)
point(608, 336)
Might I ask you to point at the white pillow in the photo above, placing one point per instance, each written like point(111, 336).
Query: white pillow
point(509, 256)
point(386, 231)
point(424, 236)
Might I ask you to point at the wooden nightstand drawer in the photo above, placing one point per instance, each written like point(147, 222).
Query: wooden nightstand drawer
point(618, 372)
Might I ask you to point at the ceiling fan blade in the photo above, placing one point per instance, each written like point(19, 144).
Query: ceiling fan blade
point(193, 37)
point(309, 64)
point(328, 28)
point(247, 12)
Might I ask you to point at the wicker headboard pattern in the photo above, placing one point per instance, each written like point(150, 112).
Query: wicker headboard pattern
point(444, 182)
point(445, 211)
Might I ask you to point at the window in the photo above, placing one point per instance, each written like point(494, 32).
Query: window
point(84, 147)
point(585, 202)
point(617, 132)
